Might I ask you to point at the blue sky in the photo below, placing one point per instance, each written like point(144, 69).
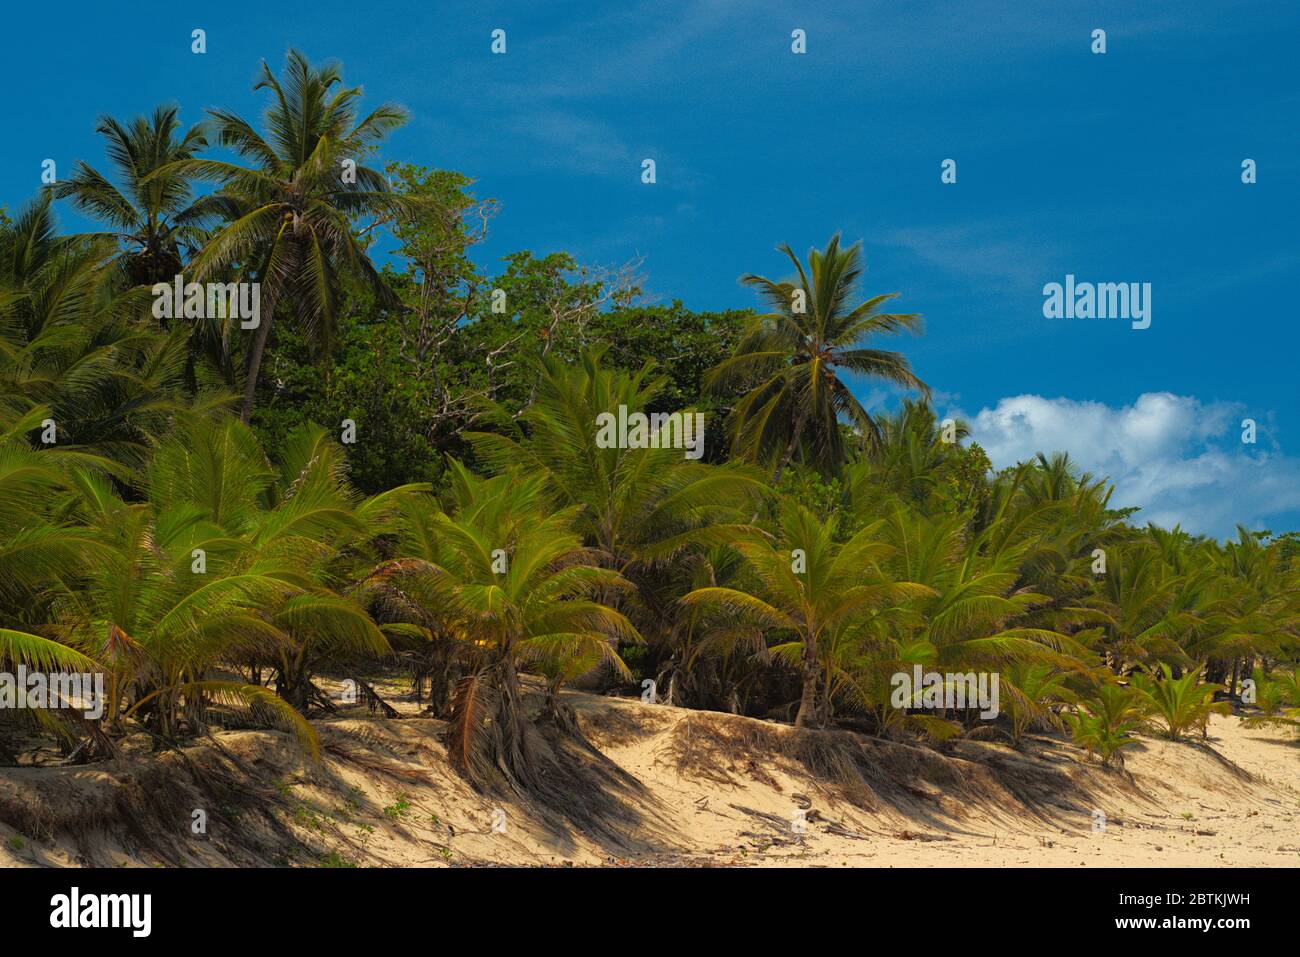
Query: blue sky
point(1122, 167)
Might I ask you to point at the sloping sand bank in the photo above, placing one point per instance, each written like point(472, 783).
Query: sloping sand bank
point(664, 786)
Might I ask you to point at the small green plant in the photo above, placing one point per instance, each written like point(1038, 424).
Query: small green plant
point(395, 812)
point(1105, 722)
point(334, 859)
point(16, 842)
point(306, 815)
point(1032, 688)
point(1182, 704)
point(1273, 694)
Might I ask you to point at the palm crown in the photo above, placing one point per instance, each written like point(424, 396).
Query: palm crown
point(155, 216)
point(795, 355)
point(291, 212)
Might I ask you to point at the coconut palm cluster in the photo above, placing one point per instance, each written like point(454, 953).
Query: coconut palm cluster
point(150, 534)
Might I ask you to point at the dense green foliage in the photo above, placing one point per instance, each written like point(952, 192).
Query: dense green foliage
point(473, 527)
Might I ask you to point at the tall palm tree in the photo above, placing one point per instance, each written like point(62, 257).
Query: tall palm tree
point(156, 218)
point(293, 210)
point(797, 354)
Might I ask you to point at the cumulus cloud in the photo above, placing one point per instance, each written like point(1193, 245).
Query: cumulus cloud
point(1180, 460)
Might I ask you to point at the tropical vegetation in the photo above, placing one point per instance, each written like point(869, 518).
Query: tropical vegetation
point(394, 471)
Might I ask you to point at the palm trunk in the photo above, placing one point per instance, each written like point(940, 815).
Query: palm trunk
point(824, 704)
point(785, 460)
point(514, 755)
point(435, 666)
point(292, 683)
point(795, 436)
point(254, 367)
point(808, 701)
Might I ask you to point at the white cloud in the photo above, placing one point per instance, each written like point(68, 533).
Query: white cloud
point(1179, 459)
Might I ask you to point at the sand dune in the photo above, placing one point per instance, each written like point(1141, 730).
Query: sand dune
point(667, 786)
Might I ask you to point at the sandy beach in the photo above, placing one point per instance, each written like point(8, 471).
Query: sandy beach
point(671, 787)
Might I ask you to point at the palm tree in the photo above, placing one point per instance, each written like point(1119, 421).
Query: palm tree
point(797, 355)
point(1030, 690)
point(1132, 603)
point(311, 502)
point(975, 612)
point(912, 456)
point(711, 655)
point(292, 211)
point(1105, 722)
point(640, 508)
point(1258, 608)
point(37, 547)
point(154, 217)
point(1181, 703)
point(75, 340)
point(216, 565)
point(809, 588)
point(512, 585)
